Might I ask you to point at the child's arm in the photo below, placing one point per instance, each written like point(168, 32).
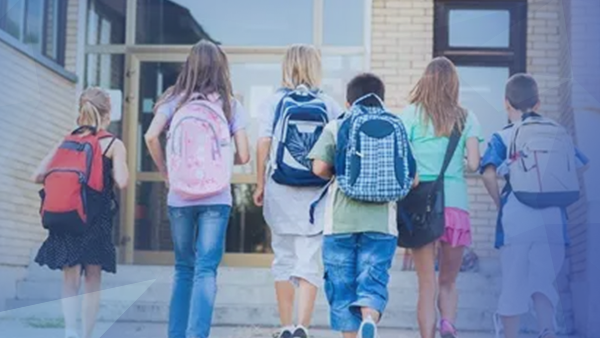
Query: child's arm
point(323, 153)
point(490, 181)
point(322, 169)
point(416, 181)
point(120, 169)
point(473, 156)
point(263, 147)
point(41, 170)
point(152, 137)
point(494, 157)
point(242, 153)
point(583, 163)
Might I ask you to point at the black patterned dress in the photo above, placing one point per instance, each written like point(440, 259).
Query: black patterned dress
point(95, 247)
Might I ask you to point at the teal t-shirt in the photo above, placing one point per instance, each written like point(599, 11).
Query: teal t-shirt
point(429, 151)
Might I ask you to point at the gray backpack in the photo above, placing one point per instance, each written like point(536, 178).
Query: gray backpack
point(541, 163)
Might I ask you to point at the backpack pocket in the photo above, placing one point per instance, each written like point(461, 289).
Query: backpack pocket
point(373, 159)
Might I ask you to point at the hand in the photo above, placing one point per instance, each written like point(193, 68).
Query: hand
point(259, 194)
point(415, 181)
point(165, 176)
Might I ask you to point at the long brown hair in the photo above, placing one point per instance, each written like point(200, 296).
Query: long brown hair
point(206, 71)
point(94, 107)
point(437, 94)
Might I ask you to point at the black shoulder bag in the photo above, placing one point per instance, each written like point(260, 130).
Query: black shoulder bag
point(420, 217)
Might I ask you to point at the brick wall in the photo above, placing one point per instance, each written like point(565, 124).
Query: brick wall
point(402, 45)
point(38, 107)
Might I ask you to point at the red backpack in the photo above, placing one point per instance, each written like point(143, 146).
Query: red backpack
point(73, 183)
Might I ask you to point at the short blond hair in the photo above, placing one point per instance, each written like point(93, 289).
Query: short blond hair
point(301, 66)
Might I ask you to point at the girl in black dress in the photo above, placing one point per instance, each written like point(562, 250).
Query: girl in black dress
point(92, 252)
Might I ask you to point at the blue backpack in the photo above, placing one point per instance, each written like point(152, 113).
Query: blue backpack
point(374, 161)
point(299, 120)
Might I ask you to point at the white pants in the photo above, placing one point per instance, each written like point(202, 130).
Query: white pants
point(297, 257)
point(528, 269)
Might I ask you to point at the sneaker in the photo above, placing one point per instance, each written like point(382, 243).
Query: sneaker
point(447, 330)
point(367, 329)
point(300, 332)
point(285, 333)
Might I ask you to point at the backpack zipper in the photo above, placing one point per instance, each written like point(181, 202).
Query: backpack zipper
point(217, 142)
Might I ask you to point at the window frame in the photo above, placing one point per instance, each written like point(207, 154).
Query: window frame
point(57, 58)
point(514, 56)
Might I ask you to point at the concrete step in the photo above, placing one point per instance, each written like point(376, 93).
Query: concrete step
point(245, 297)
point(128, 274)
point(396, 317)
point(245, 294)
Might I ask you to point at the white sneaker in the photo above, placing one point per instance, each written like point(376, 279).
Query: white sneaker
point(300, 332)
point(286, 332)
point(368, 328)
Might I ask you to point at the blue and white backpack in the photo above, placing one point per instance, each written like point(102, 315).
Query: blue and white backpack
point(374, 161)
point(299, 120)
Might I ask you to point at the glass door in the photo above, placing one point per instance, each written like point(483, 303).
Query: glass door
point(146, 227)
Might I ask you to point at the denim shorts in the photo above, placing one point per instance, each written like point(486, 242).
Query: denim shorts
point(356, 275)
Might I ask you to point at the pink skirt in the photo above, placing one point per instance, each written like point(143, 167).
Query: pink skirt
point(458, 227)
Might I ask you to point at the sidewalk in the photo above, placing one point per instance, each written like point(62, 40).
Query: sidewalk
point(48, 329)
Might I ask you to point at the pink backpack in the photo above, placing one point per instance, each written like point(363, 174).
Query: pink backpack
point(199, 150)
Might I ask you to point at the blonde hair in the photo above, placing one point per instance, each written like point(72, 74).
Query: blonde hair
point(301, 66)
point(437, 93)
point(206, 71)
point(94, 107)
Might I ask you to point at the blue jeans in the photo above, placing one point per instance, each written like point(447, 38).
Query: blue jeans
point(199, 240)
point(356, 275)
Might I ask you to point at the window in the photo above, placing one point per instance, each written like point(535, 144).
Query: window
point(487, 42)
point(229, 22)
point(39, 24)
point(106, 22)
point(343, 22)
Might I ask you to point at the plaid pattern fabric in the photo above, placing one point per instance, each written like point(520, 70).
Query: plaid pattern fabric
point(371, 170)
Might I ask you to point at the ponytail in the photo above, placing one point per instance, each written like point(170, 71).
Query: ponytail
point(94, 106)
point(89, 115)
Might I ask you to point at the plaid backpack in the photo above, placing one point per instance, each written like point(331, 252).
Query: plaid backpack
point(374, 161)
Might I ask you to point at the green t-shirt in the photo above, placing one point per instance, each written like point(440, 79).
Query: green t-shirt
point(429, 151)
point(343, 214)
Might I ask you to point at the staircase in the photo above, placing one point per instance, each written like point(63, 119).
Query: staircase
point(245, 297)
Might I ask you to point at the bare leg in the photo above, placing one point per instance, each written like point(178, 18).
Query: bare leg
point(511, 326)
point(349, 334)
point(91, 299)
point(306, 302)
point(70, 301)
point(450, 262)
point(544, 312)
point(425, 265)
point(368, 312)
point(285, 302)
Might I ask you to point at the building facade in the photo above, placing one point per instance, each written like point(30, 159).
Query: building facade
point(50, 50)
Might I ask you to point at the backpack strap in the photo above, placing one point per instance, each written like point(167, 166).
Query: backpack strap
point(450, 150)
point(109, 145)
point(358, 101)
point(286, 92)
point(81, 129)
point(103, 134)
